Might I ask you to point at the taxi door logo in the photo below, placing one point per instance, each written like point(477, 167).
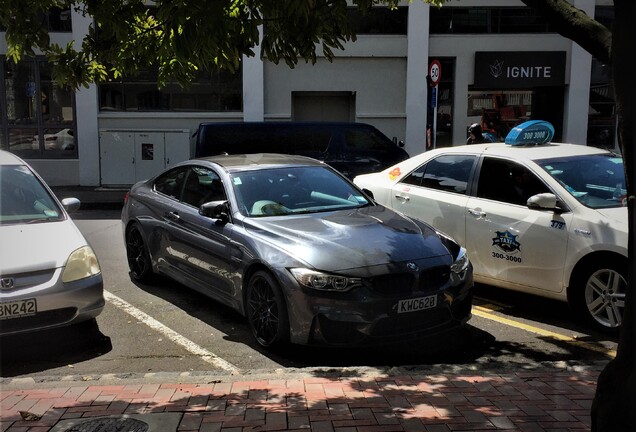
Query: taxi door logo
point(506, 241)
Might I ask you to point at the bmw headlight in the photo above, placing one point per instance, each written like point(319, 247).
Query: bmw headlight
point(324, 281)
point(82, 263)
point(460, 265)
point(459, 254)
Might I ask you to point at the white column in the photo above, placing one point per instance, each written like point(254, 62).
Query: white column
point(86, 111)
point(254, 85)
point(416, 71)
point(577, 97)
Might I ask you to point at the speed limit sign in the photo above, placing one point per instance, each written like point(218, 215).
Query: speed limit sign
point(435, 72)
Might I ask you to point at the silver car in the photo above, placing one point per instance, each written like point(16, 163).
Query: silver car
point(298, 249)
point(49, 275)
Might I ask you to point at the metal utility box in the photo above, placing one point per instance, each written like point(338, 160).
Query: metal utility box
point(127, 156)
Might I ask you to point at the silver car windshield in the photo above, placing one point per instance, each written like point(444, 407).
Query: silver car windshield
point(596, 181)
point(23, 199)
point(293, 190)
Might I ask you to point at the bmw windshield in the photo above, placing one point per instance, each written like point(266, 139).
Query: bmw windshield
point(596, 181)
point(293, 190)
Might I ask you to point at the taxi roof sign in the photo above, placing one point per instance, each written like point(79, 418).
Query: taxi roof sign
point(531, 132)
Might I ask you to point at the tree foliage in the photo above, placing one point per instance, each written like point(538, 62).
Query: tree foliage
point(179, 37)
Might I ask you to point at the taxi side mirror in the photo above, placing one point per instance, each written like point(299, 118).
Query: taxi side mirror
point(544, 201)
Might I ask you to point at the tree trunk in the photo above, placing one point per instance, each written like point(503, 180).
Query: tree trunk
point(614, 406)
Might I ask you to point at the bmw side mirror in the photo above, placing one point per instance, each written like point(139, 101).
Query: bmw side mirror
point(369, 193)
point(216, 210)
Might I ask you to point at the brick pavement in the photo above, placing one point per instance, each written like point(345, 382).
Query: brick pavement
point(543, 400)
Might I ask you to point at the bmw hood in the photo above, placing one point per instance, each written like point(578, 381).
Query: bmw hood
point(349, 239)
point(39, 246)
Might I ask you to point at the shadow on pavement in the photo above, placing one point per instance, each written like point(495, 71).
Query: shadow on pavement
point(33, 352)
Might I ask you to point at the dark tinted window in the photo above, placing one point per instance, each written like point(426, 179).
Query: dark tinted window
point(366, 139)
point(449, 173)
point(171, 182)
point(507, 181)
point(216, 91)
point(202, 185)
point(380, 20)
point(287, 139)
point(460, 20)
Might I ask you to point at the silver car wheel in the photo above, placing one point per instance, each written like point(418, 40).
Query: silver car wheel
point(605, 297)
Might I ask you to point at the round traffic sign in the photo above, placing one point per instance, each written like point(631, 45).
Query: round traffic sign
point(435, 72)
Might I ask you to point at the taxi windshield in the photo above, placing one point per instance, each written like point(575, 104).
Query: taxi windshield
point(596, 181)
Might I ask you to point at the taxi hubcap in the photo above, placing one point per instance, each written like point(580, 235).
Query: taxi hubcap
point(605, 297)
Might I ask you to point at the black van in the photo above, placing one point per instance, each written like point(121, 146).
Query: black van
point(351, 148)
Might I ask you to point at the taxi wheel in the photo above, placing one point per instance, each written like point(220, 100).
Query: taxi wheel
point(138, 255)
point(600, 295)
point(266, 311)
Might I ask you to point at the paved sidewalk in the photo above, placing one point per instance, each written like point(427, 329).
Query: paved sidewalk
point(552, 400)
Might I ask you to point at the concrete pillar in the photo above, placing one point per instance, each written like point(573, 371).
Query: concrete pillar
point(86, 111)
point(254, 86)
point(416, 71)
point(577, 97)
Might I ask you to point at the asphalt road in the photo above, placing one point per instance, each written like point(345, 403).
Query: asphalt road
point(167, 328)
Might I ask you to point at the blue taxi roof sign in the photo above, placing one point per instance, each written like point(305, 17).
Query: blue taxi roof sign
point(531, 132)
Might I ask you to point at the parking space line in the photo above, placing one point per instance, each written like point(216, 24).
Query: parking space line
point(190, 346)
point(484, 312)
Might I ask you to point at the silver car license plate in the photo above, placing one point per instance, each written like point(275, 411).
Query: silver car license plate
point(416, 304)
point(18, 308)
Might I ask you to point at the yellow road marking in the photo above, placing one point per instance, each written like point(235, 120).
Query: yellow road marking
point(484, 312)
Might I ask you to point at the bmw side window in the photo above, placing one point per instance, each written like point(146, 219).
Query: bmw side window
point(449, 173)
point(507, 181)
point(202, 185)
point(170, 183)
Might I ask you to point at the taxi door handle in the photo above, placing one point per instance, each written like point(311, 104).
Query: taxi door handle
point(478, 213)
point(402, 198)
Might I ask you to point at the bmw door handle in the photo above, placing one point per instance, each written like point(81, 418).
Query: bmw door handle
point(173, 216)
point(402, 198)
point(477, 213)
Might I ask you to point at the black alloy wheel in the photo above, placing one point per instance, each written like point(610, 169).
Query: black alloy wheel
point(266, 311)
point(137, 255)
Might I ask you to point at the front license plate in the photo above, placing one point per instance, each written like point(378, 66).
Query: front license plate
point(18, 309)
point(416, 304)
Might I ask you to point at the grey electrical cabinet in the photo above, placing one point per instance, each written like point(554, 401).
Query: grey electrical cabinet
point(127, 156)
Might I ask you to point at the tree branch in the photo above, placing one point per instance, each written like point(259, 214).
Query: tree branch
point(575, 24)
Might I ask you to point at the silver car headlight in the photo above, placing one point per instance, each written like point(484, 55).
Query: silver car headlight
point(461, 263)
point(324, 281)
point(82, 263)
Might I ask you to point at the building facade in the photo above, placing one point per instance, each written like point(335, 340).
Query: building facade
point(499, 64)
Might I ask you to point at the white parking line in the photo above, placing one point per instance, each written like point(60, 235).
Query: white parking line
point(190, 346)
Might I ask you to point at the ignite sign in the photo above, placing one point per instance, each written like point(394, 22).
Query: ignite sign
point(522, 69)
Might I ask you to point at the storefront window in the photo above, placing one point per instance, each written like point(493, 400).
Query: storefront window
point(216, 91)
point(499, 111)
point(445, 95)
point(38, 113)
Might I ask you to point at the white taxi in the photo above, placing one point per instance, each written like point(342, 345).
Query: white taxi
point(535, 216)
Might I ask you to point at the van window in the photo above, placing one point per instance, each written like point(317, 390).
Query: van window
point(366, 139)
point(267, 139)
